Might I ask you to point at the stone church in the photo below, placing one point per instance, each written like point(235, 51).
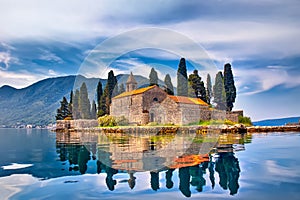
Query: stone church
point(153, 104)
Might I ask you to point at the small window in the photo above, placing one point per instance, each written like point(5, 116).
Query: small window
point(155, 99)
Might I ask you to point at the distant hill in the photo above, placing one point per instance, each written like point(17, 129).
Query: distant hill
point(277, 122)
point(37, 103)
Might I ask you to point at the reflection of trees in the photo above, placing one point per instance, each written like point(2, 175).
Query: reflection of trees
point(154, 181)
point(169, 182)
point(83, 158)
point(76, 154)
point(131, 180)
point(184, 181)
point(110, 182)
point(229, 171)
point(197, 177)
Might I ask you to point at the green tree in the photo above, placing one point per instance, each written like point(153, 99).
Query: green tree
point(75, 105)
point(182, 82)
point(84, 102)
point(99, 95)
point(94, 110)
point(111, 89)
point(121, 88)
point(153, 77)
point(209, 92)
point(169, 86)
point(197, 85)
point(230, 89)
point(63, 111)
point(102, 106)
point(70, 106)
point(112, 84)
point(219, 92)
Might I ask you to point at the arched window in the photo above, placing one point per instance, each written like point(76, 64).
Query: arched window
point(155, 99)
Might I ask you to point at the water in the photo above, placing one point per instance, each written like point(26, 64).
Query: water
point(38, 164)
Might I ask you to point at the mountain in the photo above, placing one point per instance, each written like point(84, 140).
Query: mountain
point(277, 122)
point(37, 103)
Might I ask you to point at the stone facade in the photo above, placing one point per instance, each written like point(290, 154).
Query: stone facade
point(152, 104)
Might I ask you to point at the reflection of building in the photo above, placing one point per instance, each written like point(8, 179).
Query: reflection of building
point(147, 152)
point(152, 104)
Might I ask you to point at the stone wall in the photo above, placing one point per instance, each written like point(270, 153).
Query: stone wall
point(120, 107)
point(190, 113)
point(172, 114)
point(76, 124)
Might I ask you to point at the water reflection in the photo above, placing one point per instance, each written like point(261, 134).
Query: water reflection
point(193, 155)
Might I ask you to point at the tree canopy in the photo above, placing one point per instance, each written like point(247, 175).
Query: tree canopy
point(168, 85)
point(153, 77)
point(182, 82)
point(219, 92)
point(230, 89)
point(197, 85)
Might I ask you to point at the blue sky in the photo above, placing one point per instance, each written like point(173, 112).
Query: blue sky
point(260, 38)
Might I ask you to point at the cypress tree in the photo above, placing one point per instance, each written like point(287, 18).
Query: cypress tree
point(219, 92)
point(110, 90)
point(99, 93)
point(112, 85)
point(168, 84)
point(70, 106)
point(84, 102)
point(230, 89)
point(182, 82)
point(153, 77)
point(208, 89)
point(197, 85)
point(75, 106)
point(93, 110)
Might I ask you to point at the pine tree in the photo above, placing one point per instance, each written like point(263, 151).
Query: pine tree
point(169, 86)
point(219, 92)
point(182, 82)
point(84, 102)
point(93, 110)
point(209, 92)
point(63, 111)
point(230, 89)
point(75, 106)
point(153, 77)
point(197, 85)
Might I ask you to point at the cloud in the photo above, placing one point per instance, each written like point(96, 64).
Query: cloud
point(4, 60)
point(46, 55)
point(24, 78)
point(253, 81)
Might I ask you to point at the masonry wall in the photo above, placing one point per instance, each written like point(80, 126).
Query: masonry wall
point(172, 112)
point(78, 123)
point(136, 108)
point(120, 107)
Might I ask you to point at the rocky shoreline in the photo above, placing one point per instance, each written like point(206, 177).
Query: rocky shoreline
point(239, 128)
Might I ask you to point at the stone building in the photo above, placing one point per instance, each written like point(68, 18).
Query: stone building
point(152, 104)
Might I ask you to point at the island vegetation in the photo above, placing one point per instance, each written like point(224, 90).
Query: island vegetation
point(220, 96)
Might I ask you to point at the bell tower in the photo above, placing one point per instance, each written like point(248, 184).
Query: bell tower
point(131, 83)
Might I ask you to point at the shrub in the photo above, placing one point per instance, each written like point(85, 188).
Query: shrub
point(245, 120)
point(109, 121)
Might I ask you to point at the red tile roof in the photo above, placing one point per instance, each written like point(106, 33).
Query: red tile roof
point(133, 92)
point(187, 100)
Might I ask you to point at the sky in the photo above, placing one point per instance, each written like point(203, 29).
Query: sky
point(260, 38)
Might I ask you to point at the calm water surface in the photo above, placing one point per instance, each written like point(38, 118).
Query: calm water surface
point(39, 164)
